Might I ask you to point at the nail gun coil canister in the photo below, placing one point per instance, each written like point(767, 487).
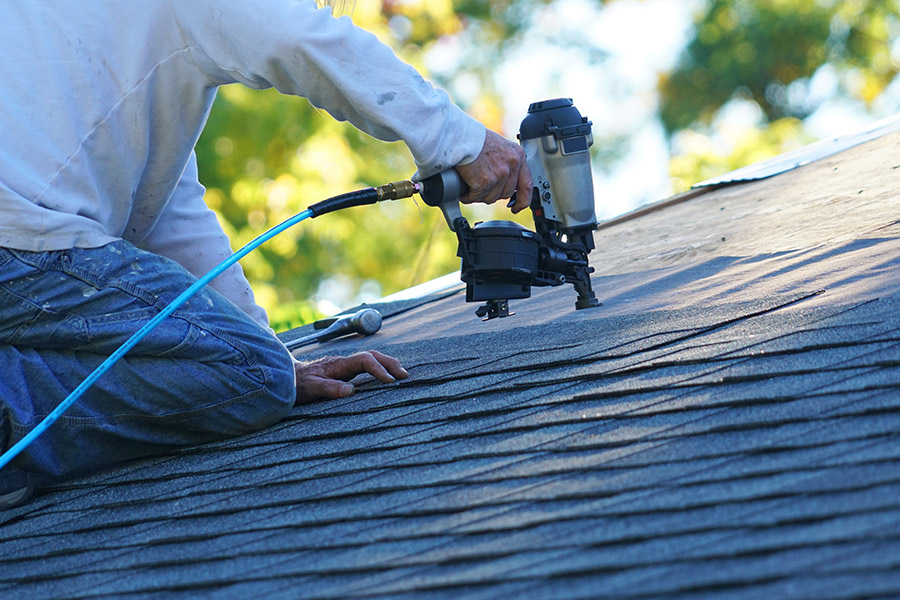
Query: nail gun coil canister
point(500, 260)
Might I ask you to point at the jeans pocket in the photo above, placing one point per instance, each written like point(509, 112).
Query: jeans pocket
point(109, 331)
point(22, 322)
point(173, 337)
point(15, 315)
point(15, 311)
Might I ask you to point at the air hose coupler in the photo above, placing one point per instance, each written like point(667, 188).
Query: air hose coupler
point(388, 191)
point(397, 190)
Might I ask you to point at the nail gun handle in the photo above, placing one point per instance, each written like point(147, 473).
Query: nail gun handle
point(444, 191)
point(446, 186)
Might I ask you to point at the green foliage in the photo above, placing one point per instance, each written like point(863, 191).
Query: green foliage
point(766, 52)
point(758, 48)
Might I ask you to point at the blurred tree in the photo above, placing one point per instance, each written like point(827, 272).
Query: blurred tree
point(768, 50)
point(766, 53)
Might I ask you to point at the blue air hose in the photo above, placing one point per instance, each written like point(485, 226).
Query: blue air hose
point(391, 191)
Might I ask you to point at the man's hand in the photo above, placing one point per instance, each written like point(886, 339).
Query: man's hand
point(498, 171)
point(326, 378)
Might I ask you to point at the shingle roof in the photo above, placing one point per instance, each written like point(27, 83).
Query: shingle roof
point(727, 423)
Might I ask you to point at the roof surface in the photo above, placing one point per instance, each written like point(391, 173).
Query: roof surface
point(727, 423)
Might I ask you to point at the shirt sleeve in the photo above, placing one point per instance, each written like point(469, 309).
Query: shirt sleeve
point(301, 50)
point(189, 233)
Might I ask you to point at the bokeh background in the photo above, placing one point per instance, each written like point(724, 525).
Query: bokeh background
point(678, 91)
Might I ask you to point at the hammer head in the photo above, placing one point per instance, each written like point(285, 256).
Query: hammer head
point(366, 321)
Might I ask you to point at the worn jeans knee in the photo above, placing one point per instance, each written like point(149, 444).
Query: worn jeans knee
point(207, 372)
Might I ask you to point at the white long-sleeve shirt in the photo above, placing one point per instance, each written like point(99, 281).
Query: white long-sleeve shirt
point(102, 102)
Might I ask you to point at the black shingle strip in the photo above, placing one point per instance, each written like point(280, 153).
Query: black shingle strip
point(394, 503)
point(807, 327)
point(691, 374)
point(489, 570)
point(713, 549)
point(823, 337)
point(843, 583)
point(724, 320)
point(610, 522)
point(743, 576)
point(613, 392)
point(93, 492)
point(790, 384)
point(56, 523)
point(667, 524)
point(666, 365)
point(843, 451)
point(651, 366)
point(588, 486)
point(331, 561)
point(660, 473)
point(823, 564)
point(582, 377)
point(675, 337)
point(664, 408)
point(561, 462)
point(776, 347)
point(892, 495)
point(789, 326)
point(876, 412)
point(875, 353)
point(706, 544)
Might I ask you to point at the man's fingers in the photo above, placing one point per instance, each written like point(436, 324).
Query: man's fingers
point(524, 186)
point(509, 187)
point(487, 195)
point(486, 190)
point(390, 363)
point(327, 378)
point(497, 172)
point(382, 367)
point(313, 387)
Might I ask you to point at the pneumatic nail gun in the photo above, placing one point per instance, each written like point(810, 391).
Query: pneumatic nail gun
point(501, 260)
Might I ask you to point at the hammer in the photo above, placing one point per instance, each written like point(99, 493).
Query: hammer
point(364, 322)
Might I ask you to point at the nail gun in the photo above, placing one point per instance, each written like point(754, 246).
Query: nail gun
point(502, 260)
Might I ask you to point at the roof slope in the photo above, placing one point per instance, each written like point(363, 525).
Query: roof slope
point(727, 423)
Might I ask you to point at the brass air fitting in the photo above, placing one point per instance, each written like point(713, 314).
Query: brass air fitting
point(396, 190)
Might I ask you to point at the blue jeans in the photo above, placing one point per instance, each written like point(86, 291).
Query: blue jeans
point(207, 372)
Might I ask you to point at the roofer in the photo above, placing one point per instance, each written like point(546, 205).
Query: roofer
point(102, 219)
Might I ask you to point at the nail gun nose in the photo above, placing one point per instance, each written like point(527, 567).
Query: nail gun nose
point(364, 322)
